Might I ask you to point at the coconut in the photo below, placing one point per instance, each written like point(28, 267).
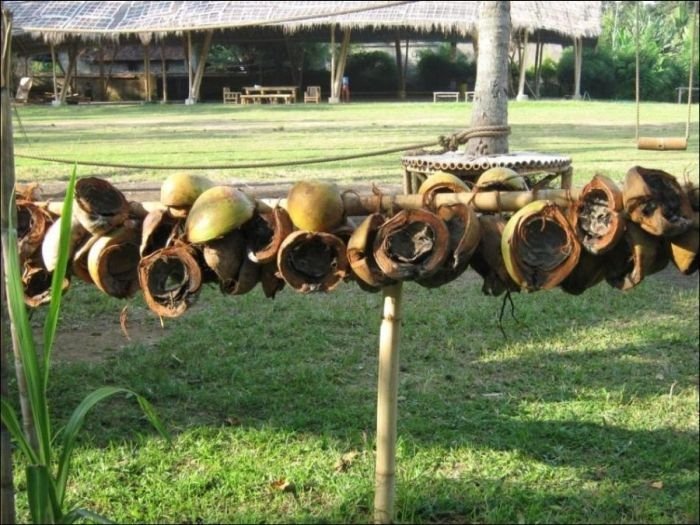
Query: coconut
point(315, 206)
point(596, 216)
point(180, 190)
point(501, 179)
point(216, 212)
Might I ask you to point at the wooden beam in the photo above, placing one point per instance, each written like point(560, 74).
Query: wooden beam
point(201, 63)
point(523, 64)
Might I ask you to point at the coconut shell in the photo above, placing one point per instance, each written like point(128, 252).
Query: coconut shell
point(315, 206)
point(50, 244)
point(216, 212)
point(270, 280)
point(596, 217)
point(588, 272)
point(684, 251)
point(501, 179)
point(312, 261)
point(79, 264)
point(32, 224)
point(655, 200)
point(487, 260)
point(410, 245)
point(265, 232)
point(159, 230)
point(37, 281)
point(170, 279)
point(225, 257)
point(361, 255)
point(181, 190)
point(638, 255)
point(440, 182)
point(465, 233)
point(113, 262)
point(539, 247)
point(99, 206)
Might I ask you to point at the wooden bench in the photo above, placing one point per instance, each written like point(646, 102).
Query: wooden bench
point(453, 95)
point(272, 98)
point(231, 96)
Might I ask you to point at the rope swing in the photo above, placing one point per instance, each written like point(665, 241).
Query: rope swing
point(666, 143)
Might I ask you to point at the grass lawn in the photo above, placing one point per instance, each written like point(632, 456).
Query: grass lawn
point(587, 411)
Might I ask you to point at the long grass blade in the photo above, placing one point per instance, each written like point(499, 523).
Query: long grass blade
point(11, 422)
point(70, 432)
point(27, 349)
point(58, 275)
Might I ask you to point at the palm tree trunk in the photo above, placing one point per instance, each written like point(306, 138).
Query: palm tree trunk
point(491, 89)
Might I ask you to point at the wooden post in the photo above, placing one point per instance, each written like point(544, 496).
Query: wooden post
point(201, 64)
point(163, 72)
point(334, 97)
point(521, 81)
point(578, 57)
point(340, 66)
point(56, 101)
point(190, 97)
point(147, 71)
point(387, 393)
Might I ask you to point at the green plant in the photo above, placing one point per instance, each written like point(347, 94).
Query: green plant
point(48, 467)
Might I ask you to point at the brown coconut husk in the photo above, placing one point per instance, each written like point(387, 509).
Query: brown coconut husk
point(51, 242)
point(99, 206)
point(32, 224)
point(487, 260)
point(312, 261)
point(638, 255)
point(36, 281)
point(655, 200)
point(465, 233)
point(588, 272)
point(170, 279)
point(596, 217)
point(225, 257)
point(360, 254)
point(79, 264)
point(159, 230)
point(412, 244)
point(113, 261)
point(270, 280)
point(265, 233)
point(247, 279)
point(684, 250)
point(539, 247)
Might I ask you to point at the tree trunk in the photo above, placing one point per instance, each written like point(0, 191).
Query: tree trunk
point(491, 89)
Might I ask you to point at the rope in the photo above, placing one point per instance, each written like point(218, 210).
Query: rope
point(451, 143)
point(690, 71)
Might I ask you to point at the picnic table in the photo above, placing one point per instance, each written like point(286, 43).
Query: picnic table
point(270, 94)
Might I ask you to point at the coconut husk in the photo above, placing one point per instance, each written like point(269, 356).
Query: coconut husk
point(412, 244)
point(655, 200)
point(79, 264)
point(170, 279)
point(596, 216)
point(693, 193)
point(270, 280)
point(638, 255)
point(265, 232)
point(32, 224)
point(312, 261)
point(487, 260)
point(113, 261)
point(50, 244)
point(159, 230)
point(99, 206)
point(539, 247)
point(464, 236)
point(36, 281)
point(225, 257)
point(360, 254)
point(216, 212)
point(501, 179)
point(247, 278)
point(315, 206)
point(440, 182)
point(684, 250)
point(589, 271)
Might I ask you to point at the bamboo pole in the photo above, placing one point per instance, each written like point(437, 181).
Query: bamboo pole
point(387, 413)
point(358, 205)
point(7, 492)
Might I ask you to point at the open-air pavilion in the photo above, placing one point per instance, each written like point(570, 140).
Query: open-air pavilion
point(70, 26)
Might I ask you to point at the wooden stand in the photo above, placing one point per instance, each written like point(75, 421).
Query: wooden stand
point(387, 393)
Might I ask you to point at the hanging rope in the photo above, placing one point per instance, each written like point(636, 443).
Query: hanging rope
point(451, 143)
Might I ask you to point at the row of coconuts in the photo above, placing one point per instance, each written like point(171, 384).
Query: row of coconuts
point(203, 233)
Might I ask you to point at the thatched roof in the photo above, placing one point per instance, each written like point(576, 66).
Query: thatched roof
point(55, 20)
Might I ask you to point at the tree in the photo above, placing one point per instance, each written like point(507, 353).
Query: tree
point(491, 89)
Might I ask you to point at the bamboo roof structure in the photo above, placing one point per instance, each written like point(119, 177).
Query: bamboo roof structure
point(56, 21)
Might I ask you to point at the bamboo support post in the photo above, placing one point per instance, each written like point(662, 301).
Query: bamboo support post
point(387, 394)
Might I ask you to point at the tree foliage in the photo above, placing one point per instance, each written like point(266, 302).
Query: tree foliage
point(436, 69)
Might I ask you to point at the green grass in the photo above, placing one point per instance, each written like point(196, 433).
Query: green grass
point(586, 412)
point(598, 136)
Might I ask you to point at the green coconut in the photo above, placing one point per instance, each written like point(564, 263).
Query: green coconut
point(180, 190)
point(501, 179)
point(216, 212)
point(315, 206)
